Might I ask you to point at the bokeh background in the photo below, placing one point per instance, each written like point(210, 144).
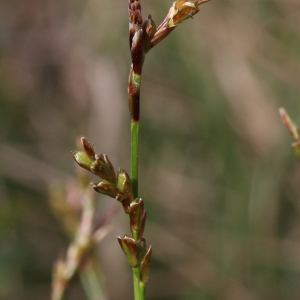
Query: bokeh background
point(218, 176)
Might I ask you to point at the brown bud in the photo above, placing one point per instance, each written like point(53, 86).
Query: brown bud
point(145, 266)
point(149, 29)
point(88, 148)
point(110, 167)
point(123, 183)
point(99, 170)
point(141, 248)
point(136, 211)
point(106, 188)
point(179, 11)
point(134, 96)
point(99, 165)
point(126, 205)
point(185, 11)
point(142, 226)
point(103, 168)
point(129, 246)
point(134, 9)
point(83, 159)
point(137, 52)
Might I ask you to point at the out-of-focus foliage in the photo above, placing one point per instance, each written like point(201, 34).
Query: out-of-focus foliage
point(220, 182)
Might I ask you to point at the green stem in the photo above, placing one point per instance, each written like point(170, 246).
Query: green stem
point(134, 181)
point(136, 283)
point(142, 291)
point(134, 156)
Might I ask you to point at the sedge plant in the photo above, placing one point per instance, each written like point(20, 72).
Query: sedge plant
point(143, 36)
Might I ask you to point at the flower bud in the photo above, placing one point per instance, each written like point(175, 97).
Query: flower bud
point(129, 246)
point(136, 211)
point(109, 166)
point(149, 29)
point(145, 266)
point(142, 226)
point(99, 165)
point(135, 18)
point(124, 184)
point(134, 82)
point(106, 188)
point(184, 9)
point(134, 9)
point(88, 148)
point(83, 159)
point(179, 11)
point(137, 54)
point(103, 169)
point(126, 205)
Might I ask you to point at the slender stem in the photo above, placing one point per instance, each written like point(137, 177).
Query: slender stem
point(58, 291)
point(142, 291)
point(136, 283)
point(134, 181)
point(134, 156)
point(134, 82)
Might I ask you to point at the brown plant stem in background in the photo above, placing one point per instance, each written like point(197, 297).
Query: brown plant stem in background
point(80, 253)
point(293, 129)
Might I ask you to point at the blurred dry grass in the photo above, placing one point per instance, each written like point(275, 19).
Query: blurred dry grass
point(219, 179)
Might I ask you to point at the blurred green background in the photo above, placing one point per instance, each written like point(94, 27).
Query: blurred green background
point(219, 180)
